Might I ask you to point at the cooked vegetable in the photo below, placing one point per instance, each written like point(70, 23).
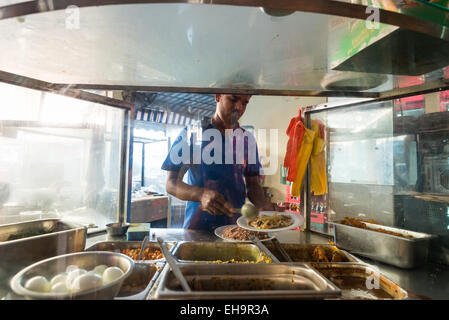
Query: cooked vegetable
point(146, 255)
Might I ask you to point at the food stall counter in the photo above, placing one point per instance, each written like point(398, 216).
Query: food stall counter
point(427, 282)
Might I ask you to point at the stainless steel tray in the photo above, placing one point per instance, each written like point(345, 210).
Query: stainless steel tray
point(140, 282)
point(62, 238)
point(398, 251)
point(247, 281)
point(360, 281)
point(308, 253)
point(187, 251)
point(116, 246)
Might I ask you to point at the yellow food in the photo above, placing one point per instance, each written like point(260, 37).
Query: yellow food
point(263, 258)
point(147, 254)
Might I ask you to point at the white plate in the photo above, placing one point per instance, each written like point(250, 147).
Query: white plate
point(219, 233)
point(297, 221)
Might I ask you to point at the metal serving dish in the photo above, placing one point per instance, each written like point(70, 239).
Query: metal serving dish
point(58, 238)
point(85, 260)
point(140, 281)
point(247, 281)
point(398, 251)
point(309, 253)
point(360, 281)
point(116, 246)
point(211, 251)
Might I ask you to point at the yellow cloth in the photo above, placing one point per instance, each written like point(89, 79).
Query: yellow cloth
point(318, 178)
point(303, 158)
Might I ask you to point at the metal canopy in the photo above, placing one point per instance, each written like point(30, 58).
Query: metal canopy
point(185, 46)
point(175, 108)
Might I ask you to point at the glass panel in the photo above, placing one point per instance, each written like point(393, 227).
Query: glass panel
point(389, 161)
point(184, 45)
point(155, 177)
point(137, 166)
point(59, 157)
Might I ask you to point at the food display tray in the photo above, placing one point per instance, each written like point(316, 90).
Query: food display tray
point(34, 241)
point(117, 246)
point(247, 281)
point(190, 251)
point(308, 253)
point(138, 285)
point(360, 281)
point(398, 251)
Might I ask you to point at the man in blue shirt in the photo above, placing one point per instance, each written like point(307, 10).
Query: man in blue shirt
point(220, 174)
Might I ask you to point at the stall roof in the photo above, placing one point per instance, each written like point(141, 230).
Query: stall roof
point(325, 48)
point(175, 108)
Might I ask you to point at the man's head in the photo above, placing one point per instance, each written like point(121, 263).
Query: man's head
point(231, 107)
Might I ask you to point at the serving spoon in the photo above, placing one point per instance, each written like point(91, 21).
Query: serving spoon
point(142, 247)
point(248, 210)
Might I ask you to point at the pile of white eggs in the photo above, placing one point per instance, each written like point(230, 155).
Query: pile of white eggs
point(75, 279)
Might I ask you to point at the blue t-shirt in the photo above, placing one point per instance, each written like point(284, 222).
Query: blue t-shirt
point(226, 177)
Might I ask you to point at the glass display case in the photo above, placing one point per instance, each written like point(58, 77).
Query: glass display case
point(65, 143)
point(388, 164)
point(61, 157)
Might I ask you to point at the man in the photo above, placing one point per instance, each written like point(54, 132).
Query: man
point(214, 189)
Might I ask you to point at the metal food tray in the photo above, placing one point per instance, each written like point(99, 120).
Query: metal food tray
point(374, 283)
point(61, 238)
point(138, 285)
point(116, 246)
point(398, 251)
point(191, 251)
point(304, 253)
point(247, 281)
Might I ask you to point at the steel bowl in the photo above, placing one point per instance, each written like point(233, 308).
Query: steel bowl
point(85, 260)
point(117, 228)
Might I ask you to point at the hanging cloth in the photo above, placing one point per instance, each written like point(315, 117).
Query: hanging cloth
point(318, 177)
point(303, 157)
point(295, 132)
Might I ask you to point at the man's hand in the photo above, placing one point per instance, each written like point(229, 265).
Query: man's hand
point(214, 203)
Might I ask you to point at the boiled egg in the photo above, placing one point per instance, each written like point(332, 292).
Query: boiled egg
point(59, 287)
point(72, 276)
point(60, 277)
point(100, 269)
point(86, 281)
point(71, 268)
point(38, 284)
point(111, 274)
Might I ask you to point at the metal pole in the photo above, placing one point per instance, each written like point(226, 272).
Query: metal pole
point(306, 185)
point(142, 182)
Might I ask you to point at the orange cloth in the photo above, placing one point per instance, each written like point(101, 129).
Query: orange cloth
point(295, 131)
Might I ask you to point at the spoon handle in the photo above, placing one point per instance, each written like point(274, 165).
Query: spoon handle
point(142, 247)
point(172, 262)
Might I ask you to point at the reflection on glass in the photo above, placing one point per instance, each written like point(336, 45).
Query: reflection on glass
point(389, 161)
point(301, 51)
point(59, 157)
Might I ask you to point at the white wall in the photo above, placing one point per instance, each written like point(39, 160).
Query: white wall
point(275, 112)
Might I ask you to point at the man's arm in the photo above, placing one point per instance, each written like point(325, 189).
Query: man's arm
point(211, 201)
point(256, 194)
